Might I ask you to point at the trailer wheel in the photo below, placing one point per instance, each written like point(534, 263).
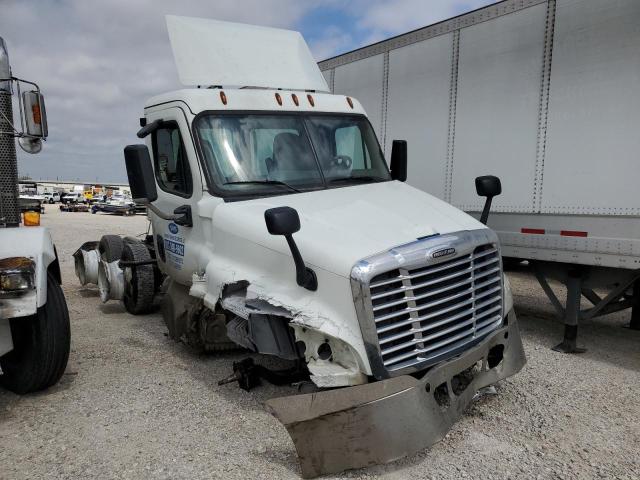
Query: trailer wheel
point(110, 248)
point(41, 345)
point(139, 282)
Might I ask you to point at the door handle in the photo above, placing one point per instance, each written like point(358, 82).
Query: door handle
point(183, 216)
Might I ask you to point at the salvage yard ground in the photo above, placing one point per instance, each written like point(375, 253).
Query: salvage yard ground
point(134, 404)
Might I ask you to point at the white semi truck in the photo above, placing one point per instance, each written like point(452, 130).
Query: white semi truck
point(34, 320)
point(278, 226)
point(543, 93)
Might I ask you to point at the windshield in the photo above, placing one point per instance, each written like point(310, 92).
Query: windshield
point(263, 153)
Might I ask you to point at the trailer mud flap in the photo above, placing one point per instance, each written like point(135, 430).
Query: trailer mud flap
point(383, 421)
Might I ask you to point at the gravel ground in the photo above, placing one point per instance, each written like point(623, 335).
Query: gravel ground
point(134, 404)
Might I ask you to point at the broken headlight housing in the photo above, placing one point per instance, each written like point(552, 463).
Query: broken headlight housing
point(17, 274)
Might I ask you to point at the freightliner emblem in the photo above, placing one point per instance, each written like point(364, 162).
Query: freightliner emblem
point(445, 252)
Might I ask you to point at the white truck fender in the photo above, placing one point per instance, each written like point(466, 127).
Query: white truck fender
point(34, 243)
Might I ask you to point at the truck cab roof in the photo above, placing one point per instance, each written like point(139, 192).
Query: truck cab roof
point(257, 99)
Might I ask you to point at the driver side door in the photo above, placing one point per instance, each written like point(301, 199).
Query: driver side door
point(179, 188)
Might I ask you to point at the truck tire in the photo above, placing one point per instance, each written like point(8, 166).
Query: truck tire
point(110, 248)
point(41, 345)
point(139, 282)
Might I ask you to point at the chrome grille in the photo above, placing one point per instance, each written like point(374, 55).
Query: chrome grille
point(425, 314)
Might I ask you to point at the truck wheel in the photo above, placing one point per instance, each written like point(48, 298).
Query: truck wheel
point(41, 345)
point(110, 247)
point(139, 282)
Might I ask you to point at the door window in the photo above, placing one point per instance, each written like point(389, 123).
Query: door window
point(170, 161)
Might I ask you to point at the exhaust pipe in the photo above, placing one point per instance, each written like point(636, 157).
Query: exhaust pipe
point(9, 209)
point(5, 68)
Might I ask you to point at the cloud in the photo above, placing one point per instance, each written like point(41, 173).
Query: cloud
point(97, 61)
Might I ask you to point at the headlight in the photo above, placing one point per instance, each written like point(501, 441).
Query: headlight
point(17, 274)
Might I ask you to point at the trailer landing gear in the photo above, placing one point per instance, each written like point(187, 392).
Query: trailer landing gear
point(571, 315)
point(580, 282)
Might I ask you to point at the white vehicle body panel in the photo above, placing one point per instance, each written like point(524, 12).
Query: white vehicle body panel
point(210, 52)
point(430, 62)
point(365, 85)
point(34, 243)
point(543, 94)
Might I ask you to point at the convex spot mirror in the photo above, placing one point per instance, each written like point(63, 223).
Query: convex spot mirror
point(399, 160)
point(488, 186)
point(282, 221)
point(140, 173)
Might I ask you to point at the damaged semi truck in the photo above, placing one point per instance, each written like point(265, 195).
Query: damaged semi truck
point(277, 226)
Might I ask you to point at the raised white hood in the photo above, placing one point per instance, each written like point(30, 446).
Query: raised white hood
point(343, 225)
point(211, 52)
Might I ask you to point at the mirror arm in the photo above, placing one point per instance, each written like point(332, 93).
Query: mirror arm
point(485, 211)
point(181, 215)
point(149, 128)
point(305, 277)
point(157, 211)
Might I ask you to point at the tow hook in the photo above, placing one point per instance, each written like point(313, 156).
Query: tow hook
point(248, 375)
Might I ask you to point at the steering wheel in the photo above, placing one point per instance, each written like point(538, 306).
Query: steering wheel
point(342, 162)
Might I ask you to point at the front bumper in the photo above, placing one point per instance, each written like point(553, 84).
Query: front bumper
point(386, 420)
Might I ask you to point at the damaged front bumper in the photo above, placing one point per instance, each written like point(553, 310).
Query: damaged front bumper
point(386, 420)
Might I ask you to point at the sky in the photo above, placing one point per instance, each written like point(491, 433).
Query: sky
point(97, 61)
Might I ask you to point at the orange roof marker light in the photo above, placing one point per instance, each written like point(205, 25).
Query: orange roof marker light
point(310, 98)
point(278, 99)
point(295, 99)
point(223, 97)
point(350, 102)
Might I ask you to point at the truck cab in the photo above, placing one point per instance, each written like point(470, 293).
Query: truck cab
point(274, 211)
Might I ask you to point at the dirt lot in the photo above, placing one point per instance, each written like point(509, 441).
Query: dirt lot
point(134, 404)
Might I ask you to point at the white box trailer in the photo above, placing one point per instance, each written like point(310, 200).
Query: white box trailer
point(544, 94)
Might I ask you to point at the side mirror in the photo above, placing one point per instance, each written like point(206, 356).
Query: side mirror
point(286, 221)
point(35, 114)
point(140, 174)
point(34, 120)
point(399, 160)
point(487, 186)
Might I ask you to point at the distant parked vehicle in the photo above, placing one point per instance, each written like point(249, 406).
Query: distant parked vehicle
point(117, 203)
point(51, 197)
point(74, 197)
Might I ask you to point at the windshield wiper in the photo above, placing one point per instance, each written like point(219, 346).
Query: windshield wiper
point(364, 178)
point(264, 182)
